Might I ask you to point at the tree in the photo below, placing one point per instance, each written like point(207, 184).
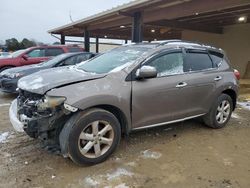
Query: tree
point(12, 44)
point(27, 43)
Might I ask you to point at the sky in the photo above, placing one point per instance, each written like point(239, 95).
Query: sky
point(33, 18)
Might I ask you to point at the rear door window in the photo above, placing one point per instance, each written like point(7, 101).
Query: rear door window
point(197, 61)
point(54, 51)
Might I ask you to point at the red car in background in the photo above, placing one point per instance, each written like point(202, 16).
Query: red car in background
point(35, 55)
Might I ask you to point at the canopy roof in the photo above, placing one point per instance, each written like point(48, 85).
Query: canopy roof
point(162, 19)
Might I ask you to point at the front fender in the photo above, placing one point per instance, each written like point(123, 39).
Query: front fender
point(111, 90)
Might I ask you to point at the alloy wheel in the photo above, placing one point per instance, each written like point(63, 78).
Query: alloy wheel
point(96, 139)
point(223, 112)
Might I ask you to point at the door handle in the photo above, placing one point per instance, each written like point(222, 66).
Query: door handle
point(217, 78)
point(181, 85)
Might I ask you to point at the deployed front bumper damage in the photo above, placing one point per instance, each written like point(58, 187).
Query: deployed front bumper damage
point(45, 124)
point(16, 123)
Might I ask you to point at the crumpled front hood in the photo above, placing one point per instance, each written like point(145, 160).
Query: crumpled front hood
point(45, 80)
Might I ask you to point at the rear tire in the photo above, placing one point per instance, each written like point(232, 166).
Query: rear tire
point(220, 113)
point(94, 136)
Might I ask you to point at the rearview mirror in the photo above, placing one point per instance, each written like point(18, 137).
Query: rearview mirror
point(25, 57)
point(146, 72)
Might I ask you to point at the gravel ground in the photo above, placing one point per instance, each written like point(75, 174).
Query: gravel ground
point(184, 155)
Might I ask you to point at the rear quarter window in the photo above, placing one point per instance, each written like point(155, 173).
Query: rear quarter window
point(197, 61)
point(216, 57)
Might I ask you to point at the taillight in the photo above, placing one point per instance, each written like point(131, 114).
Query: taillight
point(237, 74)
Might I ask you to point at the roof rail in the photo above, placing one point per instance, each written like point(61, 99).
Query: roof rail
point(182, 41)
point(169, 41)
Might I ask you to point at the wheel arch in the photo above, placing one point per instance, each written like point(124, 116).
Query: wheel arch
point(232, 94)
point(118, 113)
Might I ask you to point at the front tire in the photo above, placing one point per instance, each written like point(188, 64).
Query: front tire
point(94, 136)
point(220, 113)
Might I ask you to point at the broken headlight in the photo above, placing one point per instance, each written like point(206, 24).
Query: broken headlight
point(50, 102)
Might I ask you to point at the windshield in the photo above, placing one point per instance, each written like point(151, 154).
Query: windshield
point(17, 53)
point(113, 59)
point(55, 60)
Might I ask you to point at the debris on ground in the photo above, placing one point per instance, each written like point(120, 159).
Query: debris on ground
point(118, 173)
point(245, 105)
point(123, 185)
point(4, 136)
point(147, 154)
point(91, 182)
point(235, 116)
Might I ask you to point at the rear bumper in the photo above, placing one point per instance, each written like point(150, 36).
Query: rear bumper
point(17, 125)
point(8, 85)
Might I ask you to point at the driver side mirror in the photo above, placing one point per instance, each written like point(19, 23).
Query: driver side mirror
point(146, 72)
point(25, 57)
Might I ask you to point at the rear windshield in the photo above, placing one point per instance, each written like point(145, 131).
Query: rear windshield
point(113, 60)
point(74, 49)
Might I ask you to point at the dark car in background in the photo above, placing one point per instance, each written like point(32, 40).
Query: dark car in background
point(10, 77)
point(35, 55)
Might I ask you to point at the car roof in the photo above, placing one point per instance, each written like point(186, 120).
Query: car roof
point(170, 44)
point(68, 54)
point(55, 46)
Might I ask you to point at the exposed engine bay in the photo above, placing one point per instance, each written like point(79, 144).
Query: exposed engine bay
point(43, 117)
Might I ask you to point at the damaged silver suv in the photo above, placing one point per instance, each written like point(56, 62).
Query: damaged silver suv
point(82, 111)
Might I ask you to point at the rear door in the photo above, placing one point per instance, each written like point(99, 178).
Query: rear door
point(202, 76)
point(34, 56)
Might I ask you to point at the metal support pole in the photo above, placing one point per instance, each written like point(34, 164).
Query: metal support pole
point(137, 31)
point(97, 44)
point(86, 40)
point(62, 39)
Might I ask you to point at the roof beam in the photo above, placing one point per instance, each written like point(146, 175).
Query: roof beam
point(116, 23)
point(190, 8)
point(185, 25)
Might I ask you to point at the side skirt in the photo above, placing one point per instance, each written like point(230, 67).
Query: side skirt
point(166, 123)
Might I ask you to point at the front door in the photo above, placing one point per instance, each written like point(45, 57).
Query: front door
point(34, 56)
point(164, 98)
